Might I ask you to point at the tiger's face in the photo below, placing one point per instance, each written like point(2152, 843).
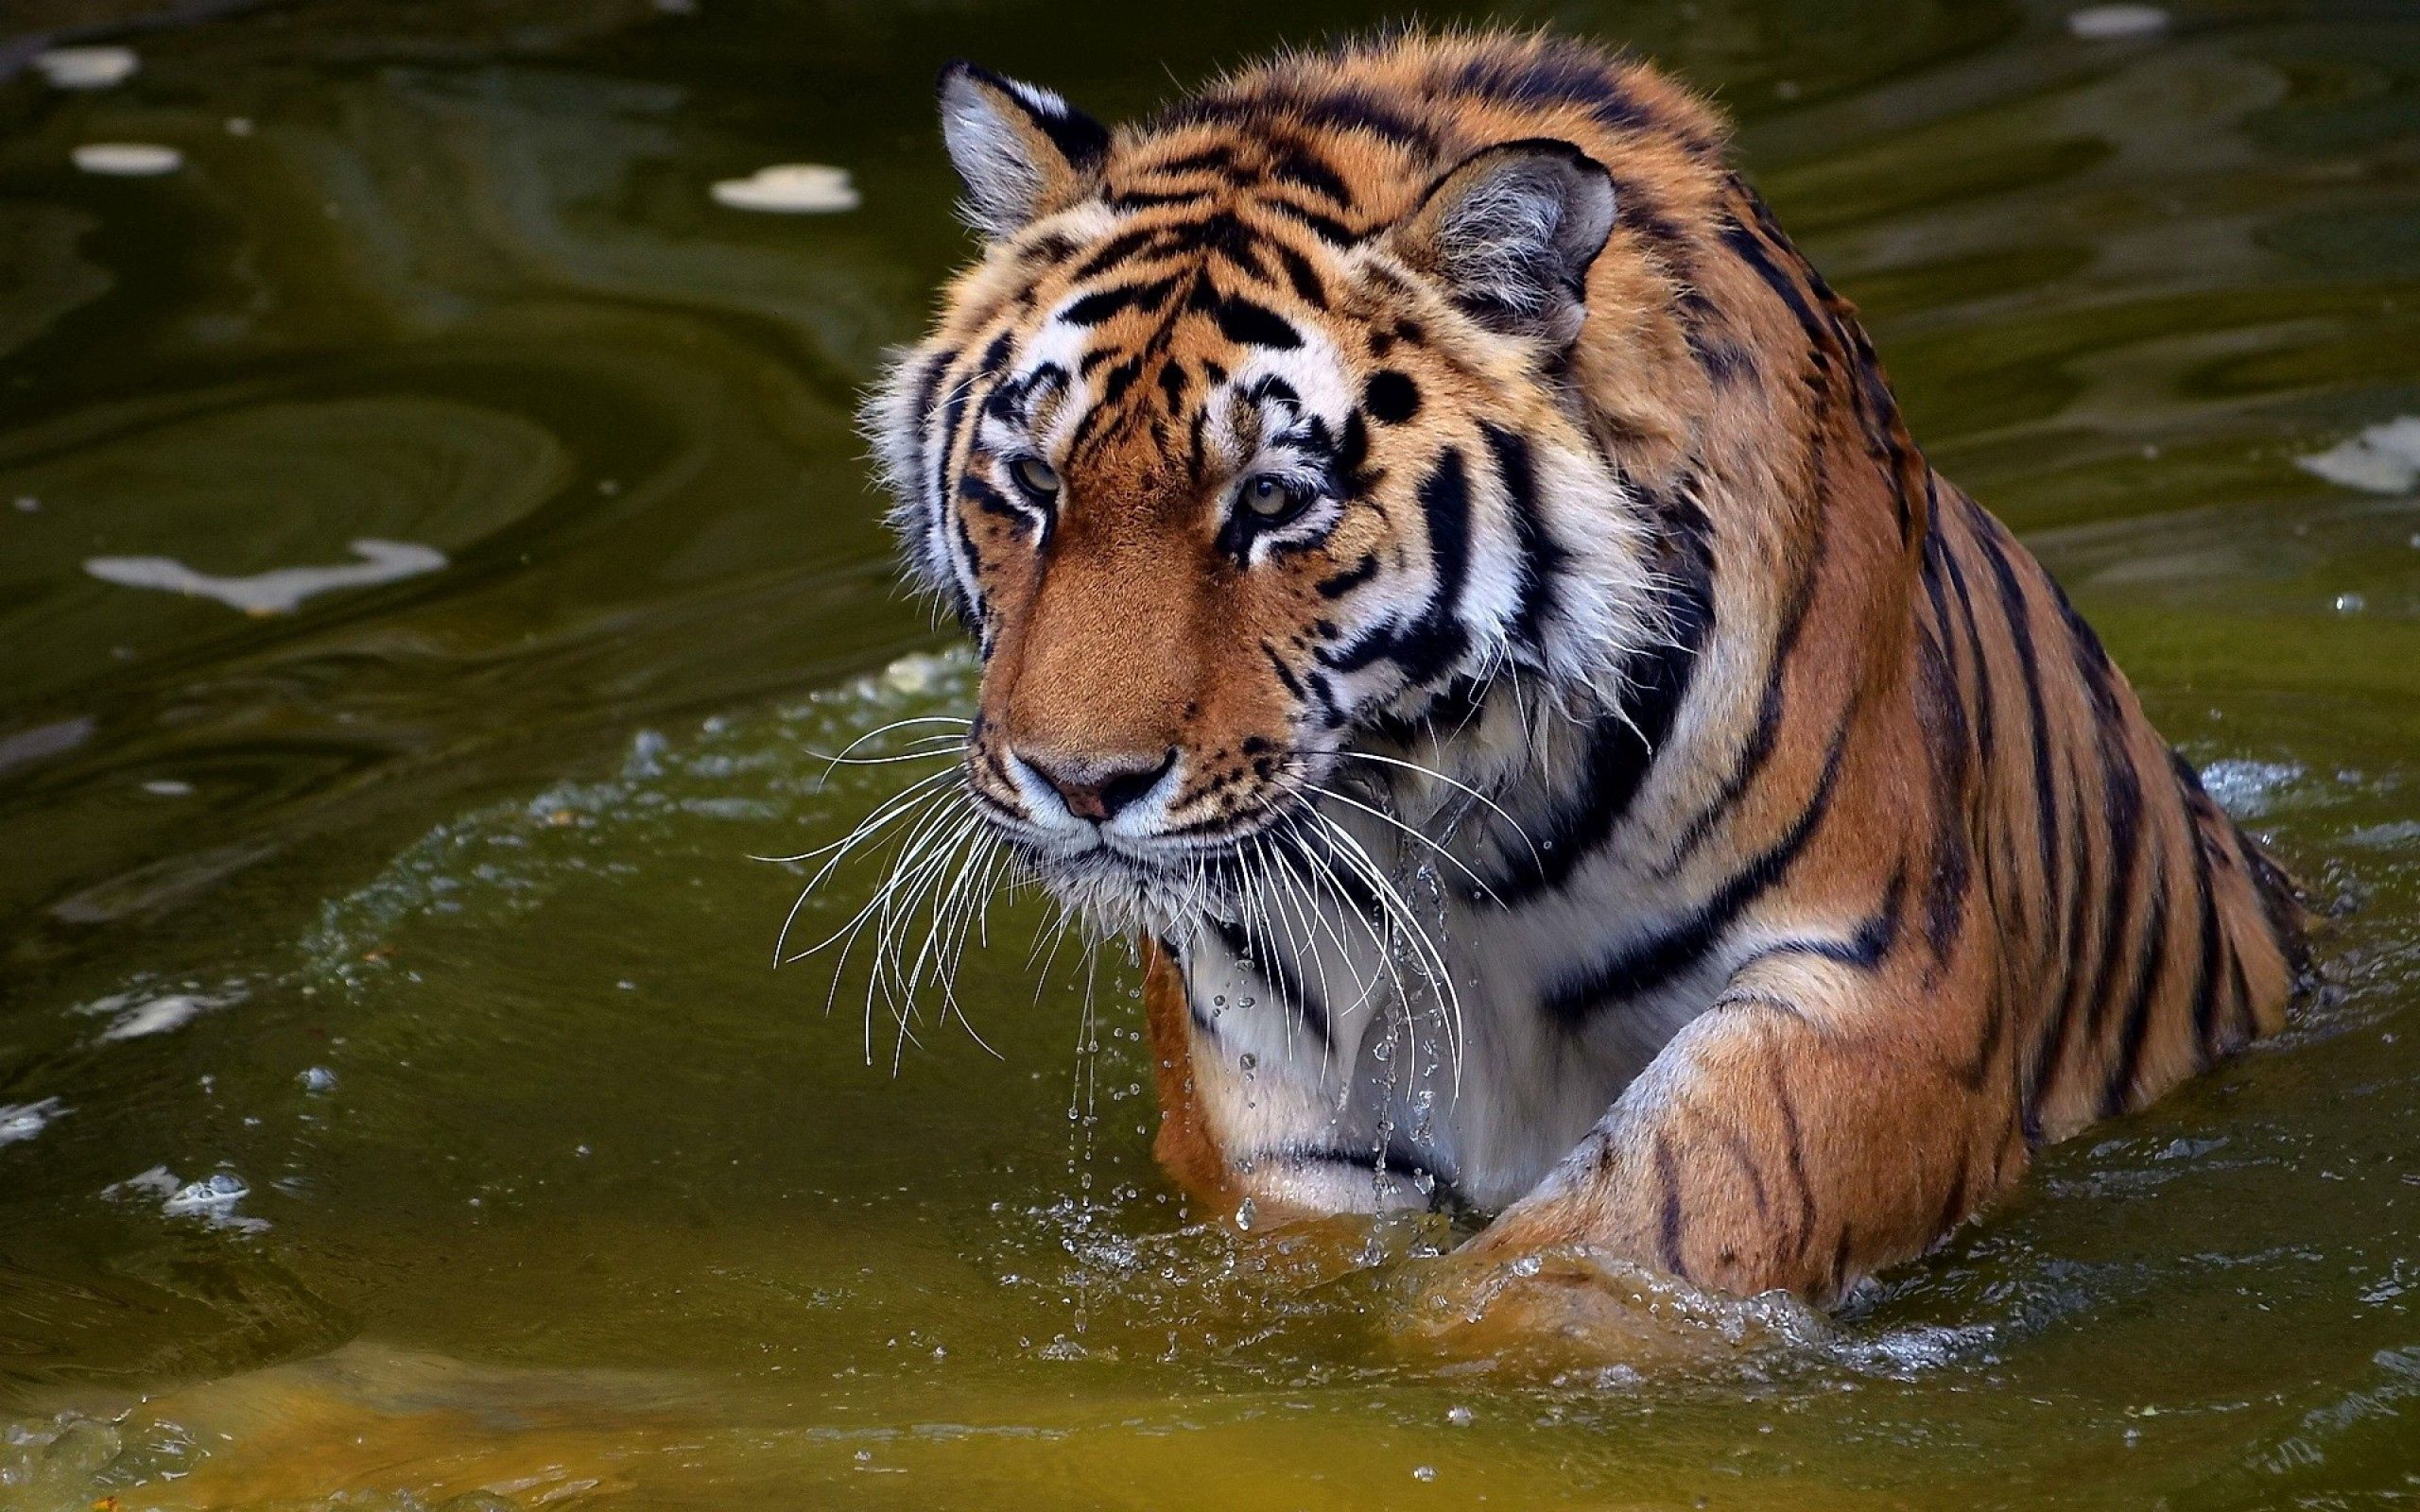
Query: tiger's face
point(1227, 466)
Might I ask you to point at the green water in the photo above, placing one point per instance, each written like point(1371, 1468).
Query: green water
point(426, 914)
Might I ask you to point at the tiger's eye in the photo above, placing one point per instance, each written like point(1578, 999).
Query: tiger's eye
point(1035, 476)
point(1271, 499)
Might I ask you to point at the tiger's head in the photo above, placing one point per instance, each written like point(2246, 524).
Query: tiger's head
point(1249, 439)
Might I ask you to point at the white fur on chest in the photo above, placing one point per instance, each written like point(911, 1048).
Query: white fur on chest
point(1334, 1063)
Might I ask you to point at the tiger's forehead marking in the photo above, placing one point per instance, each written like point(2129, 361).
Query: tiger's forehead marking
point(1191, 350)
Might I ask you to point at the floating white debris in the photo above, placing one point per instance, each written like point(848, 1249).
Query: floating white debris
point(318, 1079)
point(281, 592)
point(87, 68)
point(22, 1121)
point(127, 159)
point(167, 787)
point(2110, 23)
point(212, 1200)
point(135, 1015)
point(2383, 459)
point(791, 188)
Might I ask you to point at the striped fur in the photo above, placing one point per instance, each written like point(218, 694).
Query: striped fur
point(1791, 862)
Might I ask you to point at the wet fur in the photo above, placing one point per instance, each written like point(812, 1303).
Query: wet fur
point(1823, 867)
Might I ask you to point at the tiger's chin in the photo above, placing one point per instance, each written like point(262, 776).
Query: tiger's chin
point(1110, 893)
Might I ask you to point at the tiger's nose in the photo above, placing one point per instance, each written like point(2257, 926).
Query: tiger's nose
point(1098, 788)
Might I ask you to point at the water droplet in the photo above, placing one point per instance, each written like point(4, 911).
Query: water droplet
point(1248, 1060)
point(1244, 1213)
point(2350, 603)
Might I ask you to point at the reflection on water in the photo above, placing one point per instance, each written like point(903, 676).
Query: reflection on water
point(278, 592)
point(395, 1105)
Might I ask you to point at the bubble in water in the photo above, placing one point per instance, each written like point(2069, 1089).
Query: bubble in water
point(1244, 1214)
point(2350, 603)
point(318, 1079)
point(1424, 1473)
point(1460, 1416)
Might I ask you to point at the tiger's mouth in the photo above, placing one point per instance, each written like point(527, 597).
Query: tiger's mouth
point(1170, 881)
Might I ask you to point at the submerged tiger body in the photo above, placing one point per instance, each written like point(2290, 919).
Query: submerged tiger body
point(1455, 579)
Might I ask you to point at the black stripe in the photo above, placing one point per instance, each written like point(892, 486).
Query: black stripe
point(1327, 228)
point(1541, 558)
point(1943, 715)
point(1220, 159)
point(2050, 1043)
point(1986, 706)
point(1293, 163)
point(1432, 643)
point(1649, 964)
point(1285, 673)
point(1766, 734)
point(1864, 949)
point(1083, 141)
point(995, 356)
point(1794, 1158)
point(2117, 1095)
point(1116, 249)
point(1668, 1227)
point(1622, 745)
point(2206, 970)
point(1300, 273)
point(1357, 110)
point(991, 501)
point(2020, 630)
point(1554, 75)
point(1350, 579)
point(1761, 260)
point(1241, 319)
point(1397, 1159)
point(1151, 198)
point(2122, 809)
point(1095, 308)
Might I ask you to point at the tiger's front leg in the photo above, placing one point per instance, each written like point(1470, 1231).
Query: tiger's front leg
point(1803, 1132)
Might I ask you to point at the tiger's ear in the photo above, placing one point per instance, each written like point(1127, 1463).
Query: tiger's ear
point(1510, 231)
point(1021, 151)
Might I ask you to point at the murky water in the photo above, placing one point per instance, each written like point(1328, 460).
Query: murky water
point(396, 1103)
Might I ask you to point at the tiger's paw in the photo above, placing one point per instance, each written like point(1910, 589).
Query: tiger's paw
point(1573, 1311)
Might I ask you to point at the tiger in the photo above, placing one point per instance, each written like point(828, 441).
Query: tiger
point(1453, 583)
